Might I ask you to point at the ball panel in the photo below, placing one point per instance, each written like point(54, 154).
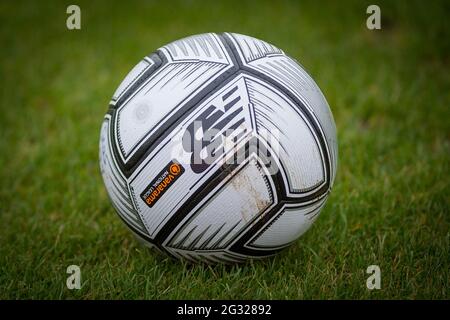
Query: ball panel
point(204, 47)
point(288, 226)
point(252, 49)
point(294, 79)
point(132, 76)
point(293, 142)
point(209, 257)
point(186, 72)
point(230, 209)
point(116, 184)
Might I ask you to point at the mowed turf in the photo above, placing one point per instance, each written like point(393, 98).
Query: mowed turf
point(389, 93)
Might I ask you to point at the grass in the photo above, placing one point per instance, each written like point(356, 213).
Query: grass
point(389, 93)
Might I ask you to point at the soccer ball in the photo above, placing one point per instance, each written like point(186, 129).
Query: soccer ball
point(218, 148)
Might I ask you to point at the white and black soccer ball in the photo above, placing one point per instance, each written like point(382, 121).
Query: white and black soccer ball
point(218, 148)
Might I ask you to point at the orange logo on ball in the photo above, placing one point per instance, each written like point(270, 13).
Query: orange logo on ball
point(174, 169)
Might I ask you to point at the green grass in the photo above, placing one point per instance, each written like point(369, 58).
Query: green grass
point(389, 93)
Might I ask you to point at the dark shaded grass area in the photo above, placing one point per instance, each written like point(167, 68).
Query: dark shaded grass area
point(389, 93)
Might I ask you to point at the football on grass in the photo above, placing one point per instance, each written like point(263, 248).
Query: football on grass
point(218, 148)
